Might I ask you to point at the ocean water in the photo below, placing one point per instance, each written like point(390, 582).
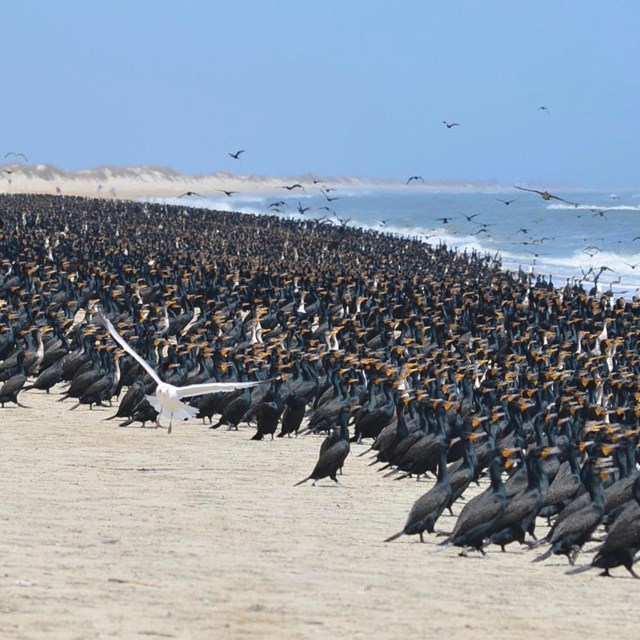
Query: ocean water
point(554, 239)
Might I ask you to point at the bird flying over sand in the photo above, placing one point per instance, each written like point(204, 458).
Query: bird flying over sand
point(167, 397)
point(236, 155)
point(450, 124)
point(545, 195)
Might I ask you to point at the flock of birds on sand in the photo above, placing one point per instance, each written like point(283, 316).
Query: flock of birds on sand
point(440, 365)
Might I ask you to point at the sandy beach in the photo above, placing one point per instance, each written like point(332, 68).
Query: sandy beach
point(112, 532)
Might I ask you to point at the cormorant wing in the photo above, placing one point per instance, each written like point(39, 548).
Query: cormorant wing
point(122, 342)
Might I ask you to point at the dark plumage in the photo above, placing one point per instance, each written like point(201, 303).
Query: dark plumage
point(333, 451)
point(13, 386)
point(429, 507)
point(623, 540)
point(294, 410)
point(268, 412)
point(479, 515)
point(567, 537)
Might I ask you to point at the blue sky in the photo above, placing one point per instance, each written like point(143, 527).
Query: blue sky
point(331, 87)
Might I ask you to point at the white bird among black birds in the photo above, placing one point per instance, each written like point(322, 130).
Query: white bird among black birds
point(167, 398)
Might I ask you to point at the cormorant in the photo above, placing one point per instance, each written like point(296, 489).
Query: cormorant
point(428, 508)
point(333, 451)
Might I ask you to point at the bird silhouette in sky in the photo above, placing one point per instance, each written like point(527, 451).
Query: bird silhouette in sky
point(591, 250)
point(290, 187)
point(189, 193)
point(546, 195)
point(227, 193)
point(450, 124)
point(236, 155)
point(543, 108)
point(17, 154)
point(302, 210)
point(415, 178)
point(343, 221)
point(507, 202)
point(330, 198)
point(444, 220)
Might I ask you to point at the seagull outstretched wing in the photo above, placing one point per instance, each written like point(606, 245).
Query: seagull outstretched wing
point(213, 387)
point(123, 343)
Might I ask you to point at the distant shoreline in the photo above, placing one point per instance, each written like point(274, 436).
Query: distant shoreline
point(163, 182)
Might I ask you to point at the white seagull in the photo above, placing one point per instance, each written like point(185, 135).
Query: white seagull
point(167, 397)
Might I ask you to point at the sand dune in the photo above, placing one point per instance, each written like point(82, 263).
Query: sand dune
point(164, 182)
point(112, 532)
point(147, 181)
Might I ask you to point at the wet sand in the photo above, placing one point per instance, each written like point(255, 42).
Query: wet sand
point(112, 532)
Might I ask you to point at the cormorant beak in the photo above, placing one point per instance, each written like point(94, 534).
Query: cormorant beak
point(508, 452)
